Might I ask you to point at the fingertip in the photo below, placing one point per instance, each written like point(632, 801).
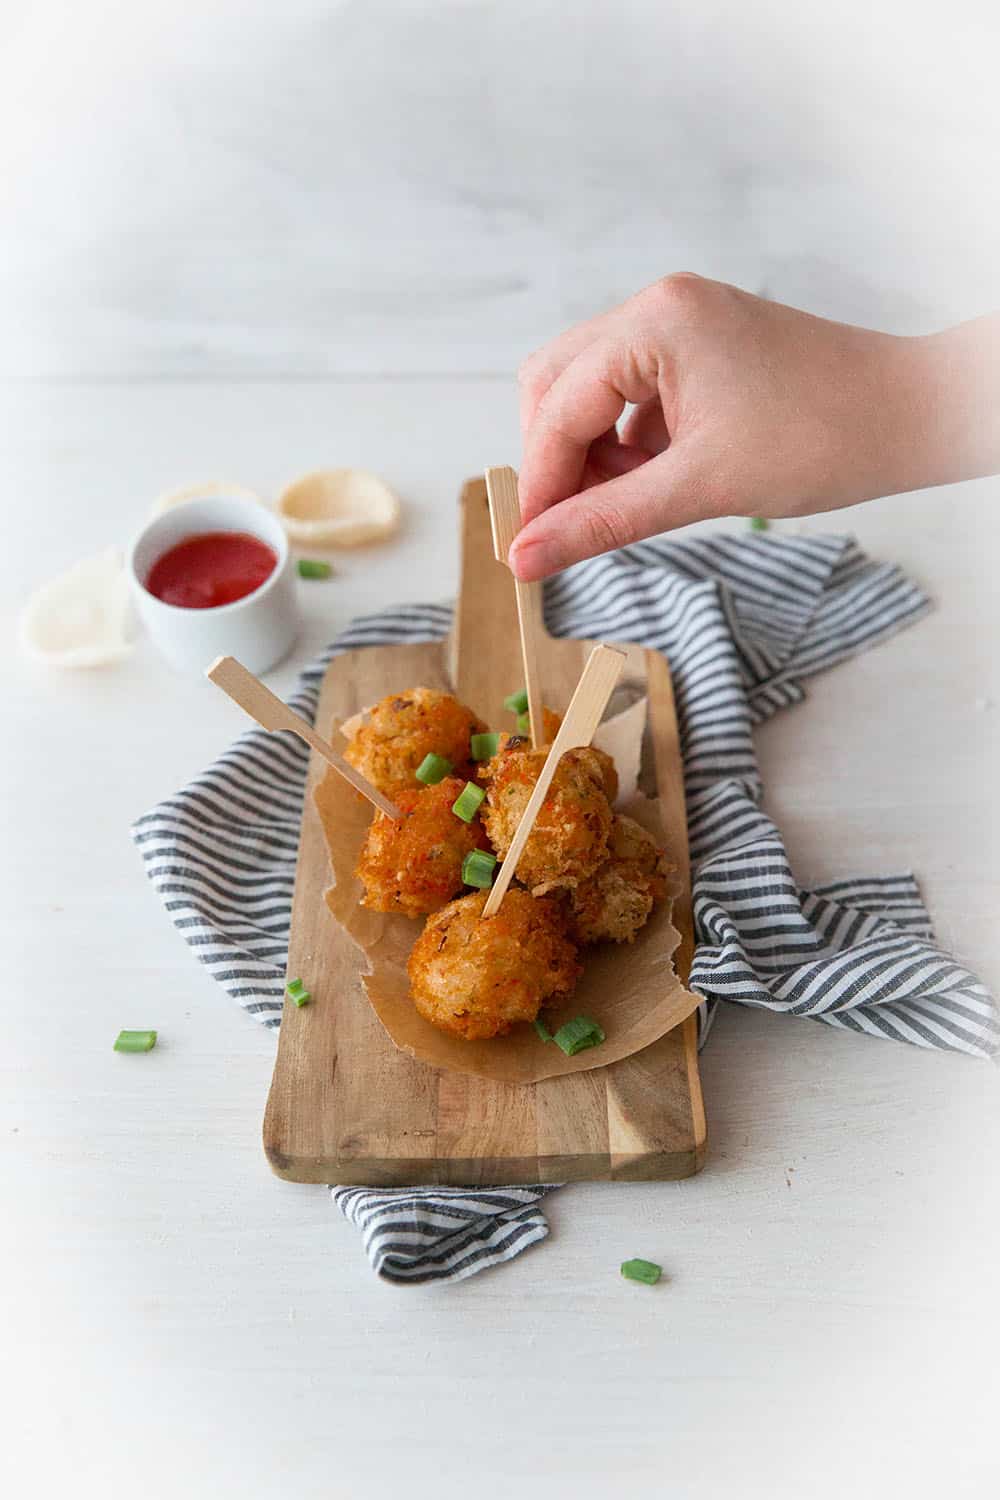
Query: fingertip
point(530, 495)
point(529, 560)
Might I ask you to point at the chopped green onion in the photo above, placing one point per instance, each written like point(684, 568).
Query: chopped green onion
point(576, 1035)
point(543, 1031)
point(432, 769)
point(758, 523)
point(310, 568)
point(296, 990)
point(517, 702)
point(484, 746)
point(135, 1041)
point(642, 1270)
point(524, 723)
point(466, 804)
point(478, 868)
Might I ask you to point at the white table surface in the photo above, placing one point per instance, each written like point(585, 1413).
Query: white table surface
point(178, 1322)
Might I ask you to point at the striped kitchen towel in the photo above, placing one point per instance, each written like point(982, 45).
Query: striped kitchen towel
point(743, 620)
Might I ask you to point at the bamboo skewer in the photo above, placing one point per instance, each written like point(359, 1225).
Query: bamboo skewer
point(603, 669)
point(505, 522)
point(271, 713)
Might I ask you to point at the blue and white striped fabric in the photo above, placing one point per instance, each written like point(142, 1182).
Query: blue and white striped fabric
point(743, 620)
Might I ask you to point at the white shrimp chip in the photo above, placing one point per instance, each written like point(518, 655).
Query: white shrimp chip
point(338, 508)
point(81, 618)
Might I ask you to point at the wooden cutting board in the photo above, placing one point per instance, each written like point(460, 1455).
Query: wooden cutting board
point(346, 1106)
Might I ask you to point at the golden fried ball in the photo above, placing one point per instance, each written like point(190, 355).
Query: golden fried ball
point(414, 865)
point(405, 727)
point(616, 901)
point(477, 977)
point(570, 836)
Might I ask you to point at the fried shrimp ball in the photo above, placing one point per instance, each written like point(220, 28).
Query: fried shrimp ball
point(570, 836)
point(616, 901)
point(414, 865)
point(402, 729)
point(476, 978)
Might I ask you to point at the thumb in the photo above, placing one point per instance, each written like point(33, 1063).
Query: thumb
point(656, 496)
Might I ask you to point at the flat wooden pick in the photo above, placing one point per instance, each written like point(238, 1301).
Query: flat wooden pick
point(271, 713)
point(603, 669)
point(505, 523)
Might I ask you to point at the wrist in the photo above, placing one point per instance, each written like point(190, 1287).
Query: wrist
point(946, 400)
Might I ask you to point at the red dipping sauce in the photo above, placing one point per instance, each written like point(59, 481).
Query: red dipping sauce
point(215, 568)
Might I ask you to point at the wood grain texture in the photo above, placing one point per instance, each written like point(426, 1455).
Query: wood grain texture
point(345, 1105)
point(339, 1083)
point(505, 523)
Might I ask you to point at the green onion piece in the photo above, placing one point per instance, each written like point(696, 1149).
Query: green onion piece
point(517, 702)
point(135, 1041)
point(478, 868)
point(543, 1031)
point(466, 804)
point(311, 568)
point(642, 1270)
point(296, 990)
point(432, 769)
point(484, 746)
point(524, 723)
point(758, 523)
point(577, 1035)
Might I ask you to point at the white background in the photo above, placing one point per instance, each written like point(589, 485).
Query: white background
point(244, 240)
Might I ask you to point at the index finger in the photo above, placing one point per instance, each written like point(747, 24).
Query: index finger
point(541, 369)
point(582, 404)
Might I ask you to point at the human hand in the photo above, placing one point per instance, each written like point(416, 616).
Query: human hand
point(742, 407)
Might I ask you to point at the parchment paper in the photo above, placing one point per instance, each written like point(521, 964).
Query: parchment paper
point(630, 989)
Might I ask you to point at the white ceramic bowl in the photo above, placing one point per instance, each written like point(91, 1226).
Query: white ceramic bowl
point(258, 629)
